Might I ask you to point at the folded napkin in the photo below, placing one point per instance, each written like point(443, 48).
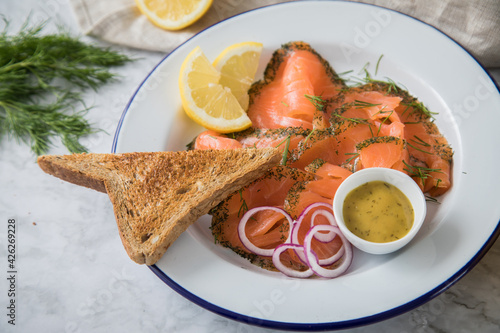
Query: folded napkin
point(473, 24)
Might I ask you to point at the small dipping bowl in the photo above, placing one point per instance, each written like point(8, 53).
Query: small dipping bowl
point(396, 178)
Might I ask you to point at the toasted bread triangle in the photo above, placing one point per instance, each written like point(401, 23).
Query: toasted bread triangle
point(157, 195)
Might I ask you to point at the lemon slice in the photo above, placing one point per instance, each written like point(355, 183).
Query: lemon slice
point(238, 64)
point(206, 101)
point(173, 14)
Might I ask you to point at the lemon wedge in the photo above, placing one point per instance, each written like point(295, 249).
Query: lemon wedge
point(205, 100)
point(173, 14)
point(238, 65)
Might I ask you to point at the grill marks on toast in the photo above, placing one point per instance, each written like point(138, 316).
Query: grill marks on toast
point(156, 196)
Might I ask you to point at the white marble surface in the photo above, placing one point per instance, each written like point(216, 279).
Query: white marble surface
point(74, 275)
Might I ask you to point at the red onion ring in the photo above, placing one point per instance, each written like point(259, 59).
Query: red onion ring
point(312, 259)
point(295, 235)
point(333, 258)
point(325, 238)
point(312, 206)
point(243, 236)
point(286, 270)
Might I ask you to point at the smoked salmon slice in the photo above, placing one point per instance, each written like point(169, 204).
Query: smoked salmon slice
point(429, 156)
point(294, 72)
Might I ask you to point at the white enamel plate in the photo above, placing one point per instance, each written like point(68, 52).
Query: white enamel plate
point(457, 232)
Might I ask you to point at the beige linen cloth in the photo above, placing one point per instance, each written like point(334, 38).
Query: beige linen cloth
point(475, 24)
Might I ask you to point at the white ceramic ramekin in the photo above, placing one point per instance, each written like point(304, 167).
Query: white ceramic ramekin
point(400, 180)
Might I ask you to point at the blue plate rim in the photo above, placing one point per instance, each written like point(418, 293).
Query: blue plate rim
point(401, 309)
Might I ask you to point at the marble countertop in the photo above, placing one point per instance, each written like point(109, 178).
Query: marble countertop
point(73, 274)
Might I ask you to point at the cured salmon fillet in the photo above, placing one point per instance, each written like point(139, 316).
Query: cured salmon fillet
point(325, 131)
point(429, 156)
point(294, 72)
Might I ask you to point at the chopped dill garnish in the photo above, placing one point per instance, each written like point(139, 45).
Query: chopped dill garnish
point(317, 101)
point(354, 120)
point(419, 149)
point(364, 69)
point(243, 208)
point(420, 107)
point(431, 199)
point(345, 73)
point(420, 141)
point(378, 63)
point(384, 120)
point(392, 86)
point(286, 151)
point(308, 136)
point(371, 131)
point(420, 172)
point(352, 157)
point(362, 104)
point(284, 103)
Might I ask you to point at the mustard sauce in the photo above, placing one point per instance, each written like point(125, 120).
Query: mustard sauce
point(378, 212)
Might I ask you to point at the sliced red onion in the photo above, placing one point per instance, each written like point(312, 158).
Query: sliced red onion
point(294, 234)
point(243, 236)
point(312, 259)
point(334, 258)
point(294, 238)
point(312, 206)
point(287, 270)
point(305, 252)
point(325, 238)
point(295, 231)
point(328, 237)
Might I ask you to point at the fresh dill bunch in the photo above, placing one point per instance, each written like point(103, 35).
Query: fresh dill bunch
point(41, 77)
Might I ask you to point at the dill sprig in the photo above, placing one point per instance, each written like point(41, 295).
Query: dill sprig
point(420, 172)
point(243, 208)
point(358, 104)
point(392, 86)
point(308, 136)
point(384, 120)
point(378, 63)
point(420, 107)
point(420, 142)
point(41, 80)
point(419, 149)
point(354, 155)
point(428, 198)
point(286, 151)
point(354, 120)
point(318, 102)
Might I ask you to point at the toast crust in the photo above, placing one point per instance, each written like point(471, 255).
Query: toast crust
point(156, 196)
point(59, 170)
